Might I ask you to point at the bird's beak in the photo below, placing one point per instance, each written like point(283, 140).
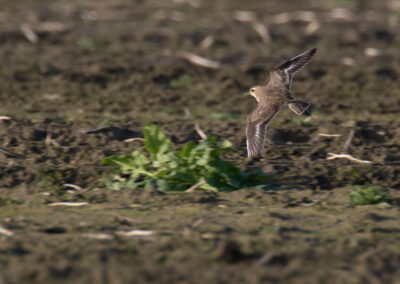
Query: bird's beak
point(247, 94)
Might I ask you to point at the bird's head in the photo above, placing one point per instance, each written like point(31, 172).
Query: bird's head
point(255, 92)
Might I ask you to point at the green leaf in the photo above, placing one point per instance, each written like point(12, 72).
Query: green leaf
point(168, 170)
point(225, 144)
point(187, 149)
point(159, 184)
point(223, 115)
point(155, 142)
point(128, 163)
point(183, 81)
point(162, 185)
point(368, 195)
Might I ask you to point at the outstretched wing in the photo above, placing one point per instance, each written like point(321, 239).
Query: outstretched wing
point(284, 73)
point(256, 131)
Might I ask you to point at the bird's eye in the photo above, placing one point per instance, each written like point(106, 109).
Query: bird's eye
point(252, 90)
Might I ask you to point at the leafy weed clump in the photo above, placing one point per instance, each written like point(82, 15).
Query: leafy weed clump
point(165, 169)
point(368, 195)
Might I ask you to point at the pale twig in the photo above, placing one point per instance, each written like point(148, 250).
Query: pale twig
point(348, 140)
point(260, 28)
point(98, 236)
point(52, 27)
point(207, 42)
point(29, 33)
point(348, 61)
point(71, 204)
point(3, 117)
point(262, 31)
point(193, 3)
point(137, 233)
point(195, 186)
point(208, 236)
point(198, 223)
point(341, 14)
point(52, 97)
point(312, 27)
point(74, 186)
point(134, 139)
point(372, 52)
point(104, 15)
point(50, 141)
point(187, 113)
point(333, 156)
point(328, 135)
point(265, 259)
point(304, 16)
point(6, 232)
point(199, 131)
point(244, 16)
point(136, 206)
point(200, 61)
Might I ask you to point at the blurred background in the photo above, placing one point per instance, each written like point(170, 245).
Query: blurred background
point(123, 59)
point(69, 66)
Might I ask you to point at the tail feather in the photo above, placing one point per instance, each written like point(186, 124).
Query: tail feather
point(299, 107)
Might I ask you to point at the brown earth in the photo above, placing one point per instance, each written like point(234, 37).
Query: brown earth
point(118, 64)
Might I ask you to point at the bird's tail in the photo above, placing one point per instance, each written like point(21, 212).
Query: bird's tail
point(299, 107)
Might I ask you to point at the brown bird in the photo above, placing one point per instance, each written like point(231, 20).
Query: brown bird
point(271, 98)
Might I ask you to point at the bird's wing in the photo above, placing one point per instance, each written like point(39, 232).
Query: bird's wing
point(256, 131)
point(284, 73)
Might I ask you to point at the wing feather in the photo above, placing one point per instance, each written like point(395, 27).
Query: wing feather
point(285, 72)
point(256, 131)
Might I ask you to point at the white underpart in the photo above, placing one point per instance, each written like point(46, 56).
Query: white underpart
point(254, 95)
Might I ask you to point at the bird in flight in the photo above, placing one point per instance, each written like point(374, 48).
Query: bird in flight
point(271, 98)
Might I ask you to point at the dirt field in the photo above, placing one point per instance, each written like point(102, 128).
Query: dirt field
point(72, 66)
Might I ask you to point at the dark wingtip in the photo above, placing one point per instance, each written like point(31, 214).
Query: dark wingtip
point(313, 50)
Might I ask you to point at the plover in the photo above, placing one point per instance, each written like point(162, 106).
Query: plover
point(271, 98)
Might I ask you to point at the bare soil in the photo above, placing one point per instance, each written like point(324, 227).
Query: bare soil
point(118, 65)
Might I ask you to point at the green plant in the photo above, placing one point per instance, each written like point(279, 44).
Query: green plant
point(166, 169)
point(182, 81)
point(88, 43)
point(224, 115)
point(369, 195)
